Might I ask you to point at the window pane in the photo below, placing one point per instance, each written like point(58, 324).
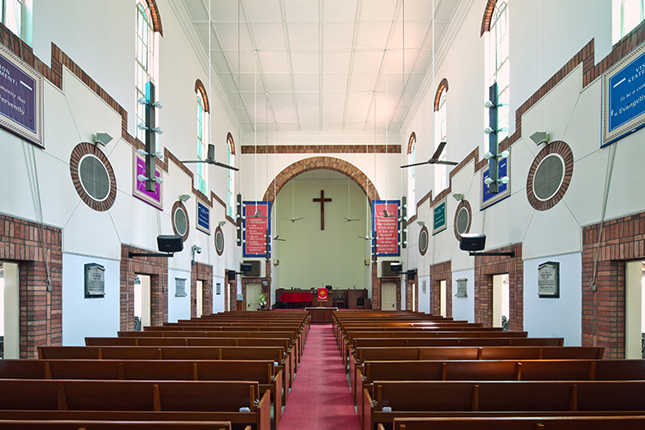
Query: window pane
point(13, 16)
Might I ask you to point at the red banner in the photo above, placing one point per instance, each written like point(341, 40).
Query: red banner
point(386, 227)
point(256, 223)
point(322, 294)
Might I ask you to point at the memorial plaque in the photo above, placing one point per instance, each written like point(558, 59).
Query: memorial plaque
point(423, 287)
point(94, 280)
point(218, 289)
point(203, 217)
point(439, 218)
point(549, 280)
point(462, 287)
point(180, 287)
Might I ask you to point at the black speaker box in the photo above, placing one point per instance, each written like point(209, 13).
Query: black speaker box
point(472, 242)
point(411, 275)
point(252, 268)
point(231, 275)
point(388, 268)
point(170, 243)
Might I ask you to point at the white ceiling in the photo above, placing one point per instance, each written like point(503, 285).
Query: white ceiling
point(320, 65)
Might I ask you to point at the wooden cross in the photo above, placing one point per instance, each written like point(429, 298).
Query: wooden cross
point(322, 201)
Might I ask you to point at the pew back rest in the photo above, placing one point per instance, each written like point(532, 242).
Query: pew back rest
point(28, 394)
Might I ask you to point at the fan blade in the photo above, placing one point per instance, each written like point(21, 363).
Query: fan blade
point(415, 164)
point(226, 166)
point(193, 161)
point(438, 152)
point(448, 163)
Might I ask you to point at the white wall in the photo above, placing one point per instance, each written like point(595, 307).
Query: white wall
point(92, 317)
point(550, 317)
point(463, 308)
point(178, 307)
point(424, 299)
point(219, 304)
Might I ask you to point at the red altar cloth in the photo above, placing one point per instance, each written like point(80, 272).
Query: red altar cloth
point(296, 297)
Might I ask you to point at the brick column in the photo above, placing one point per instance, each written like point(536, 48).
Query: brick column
point(440, 272)
point(204, 273)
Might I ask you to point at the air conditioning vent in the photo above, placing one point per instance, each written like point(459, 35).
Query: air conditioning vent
point(94, 178)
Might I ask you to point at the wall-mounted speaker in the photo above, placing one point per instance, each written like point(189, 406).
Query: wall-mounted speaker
point(472, 242)
point(411, 275)
point(252, 269)
point(170, 243)
point(388, 268)
point(231, 275)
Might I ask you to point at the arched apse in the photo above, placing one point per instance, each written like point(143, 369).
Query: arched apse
point(315, 163)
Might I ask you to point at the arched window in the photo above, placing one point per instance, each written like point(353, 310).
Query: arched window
point(412, 203)
point(627, 14)
point(441, 135)
point(230, 144)
point(202, 142)
point(144, 61)
point(499, 64)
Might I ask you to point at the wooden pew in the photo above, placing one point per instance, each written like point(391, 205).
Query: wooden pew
point(226, 397)
point(264, 372)
point(521, 423)
point(504, 370)
point(468, 353)
point(112, 425)
point(276, 354)
point(416, 399)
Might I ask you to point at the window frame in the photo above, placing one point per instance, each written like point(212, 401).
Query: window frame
point(499, 68)
point(202, 146)
point(618, 18)
point(441, 134)
point(143, 73)
point(230, 201)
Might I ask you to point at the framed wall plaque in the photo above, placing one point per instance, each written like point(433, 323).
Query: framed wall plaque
point(549, 280)
point(94, 281)
point(462, 288)
point(180, 287)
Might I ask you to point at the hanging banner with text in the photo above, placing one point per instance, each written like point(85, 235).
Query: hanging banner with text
point(203, 217)
point(385, 227)
point(623, 97)
point(256, 224)
point(439, 217)
point(21, 100)
point(153, 198)
point(489, 199)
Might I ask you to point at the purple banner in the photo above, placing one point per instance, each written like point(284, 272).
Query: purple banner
point(150, 197)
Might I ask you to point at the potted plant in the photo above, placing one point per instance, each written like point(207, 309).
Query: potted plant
point(262, 301)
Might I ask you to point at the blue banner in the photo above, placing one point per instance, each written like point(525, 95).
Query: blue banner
point(203, 217)
point(488, 198)
point(623, 88)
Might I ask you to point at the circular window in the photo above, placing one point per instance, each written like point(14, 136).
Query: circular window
point(549, 176)
point(180, 223)
point(463, 219)
point(219, 241)
point(93, 176)
point(423, 240)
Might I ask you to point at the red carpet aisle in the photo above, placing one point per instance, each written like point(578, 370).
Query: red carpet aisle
point(320, 397)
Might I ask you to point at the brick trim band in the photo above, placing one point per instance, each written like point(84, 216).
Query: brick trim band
point(443, 86)
point(411, 141)
point(321, 149)
point(199, 86)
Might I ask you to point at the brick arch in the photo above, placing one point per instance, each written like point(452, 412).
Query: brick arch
point(229, 139)
point(156, 17)
point(488, 16)
point(316, 163)
point(411, 141)
point(199, 86)
point(443, 86)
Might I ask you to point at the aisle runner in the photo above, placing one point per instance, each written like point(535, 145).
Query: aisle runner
point(320, 397)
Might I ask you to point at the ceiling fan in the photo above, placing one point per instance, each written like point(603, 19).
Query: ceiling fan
point(435, 158)
point(211, 159)
point(277, 237)
point(293, 205)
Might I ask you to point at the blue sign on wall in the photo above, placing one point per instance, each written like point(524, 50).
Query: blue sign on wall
point(20, 98)
point(623, 97)
point(203, 217)
point(489, 199)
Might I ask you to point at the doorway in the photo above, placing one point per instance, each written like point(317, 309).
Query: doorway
point(442, 298)
point(501, 309)
point(253, 292)
point(10, 311)
point(388, 297)
point(142, 302)
point(200, 299)
point(634, 305)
